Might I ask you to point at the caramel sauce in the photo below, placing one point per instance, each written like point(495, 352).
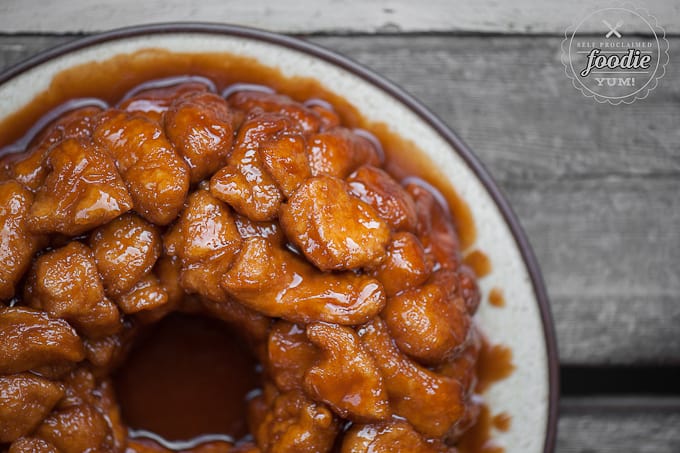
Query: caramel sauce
point(186, 376)
point(194, 355)
point(479, 262)
point(478, 439)
point(494, 364)
point(401, 162)
point(496, 297)
point(502, 421)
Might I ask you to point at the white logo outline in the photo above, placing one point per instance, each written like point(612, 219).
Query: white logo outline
point(662, 55)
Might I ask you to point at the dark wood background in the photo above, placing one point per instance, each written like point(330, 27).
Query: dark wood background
point(596, 187)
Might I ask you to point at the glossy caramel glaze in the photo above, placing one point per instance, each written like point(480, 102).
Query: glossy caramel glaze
point(478, 262)
point(502, 421)
point(210, 196)
point(179, 380)
point(496, 297)
point(479, 439)
point(494, 364)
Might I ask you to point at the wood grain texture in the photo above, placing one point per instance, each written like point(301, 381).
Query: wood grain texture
point(595, 186)
point(614, 425)
point(318, 16)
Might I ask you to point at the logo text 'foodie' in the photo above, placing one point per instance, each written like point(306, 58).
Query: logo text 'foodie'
point(622, 63)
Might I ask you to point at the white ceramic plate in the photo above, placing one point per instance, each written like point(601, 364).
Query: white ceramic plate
point(529, 395)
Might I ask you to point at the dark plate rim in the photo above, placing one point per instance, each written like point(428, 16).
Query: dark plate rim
point(397, 93)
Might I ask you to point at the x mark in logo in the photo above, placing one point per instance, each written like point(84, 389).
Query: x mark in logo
point(613, 30)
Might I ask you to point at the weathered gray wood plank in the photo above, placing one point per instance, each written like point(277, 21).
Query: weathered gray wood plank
point(619, 425)
point(609, 249)
point(14, 49)
point(595, 186)
point(310, 16)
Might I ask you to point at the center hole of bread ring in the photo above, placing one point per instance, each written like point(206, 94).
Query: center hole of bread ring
point(187, 376)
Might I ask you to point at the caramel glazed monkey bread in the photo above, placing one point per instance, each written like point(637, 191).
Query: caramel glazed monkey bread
point(265, 213)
